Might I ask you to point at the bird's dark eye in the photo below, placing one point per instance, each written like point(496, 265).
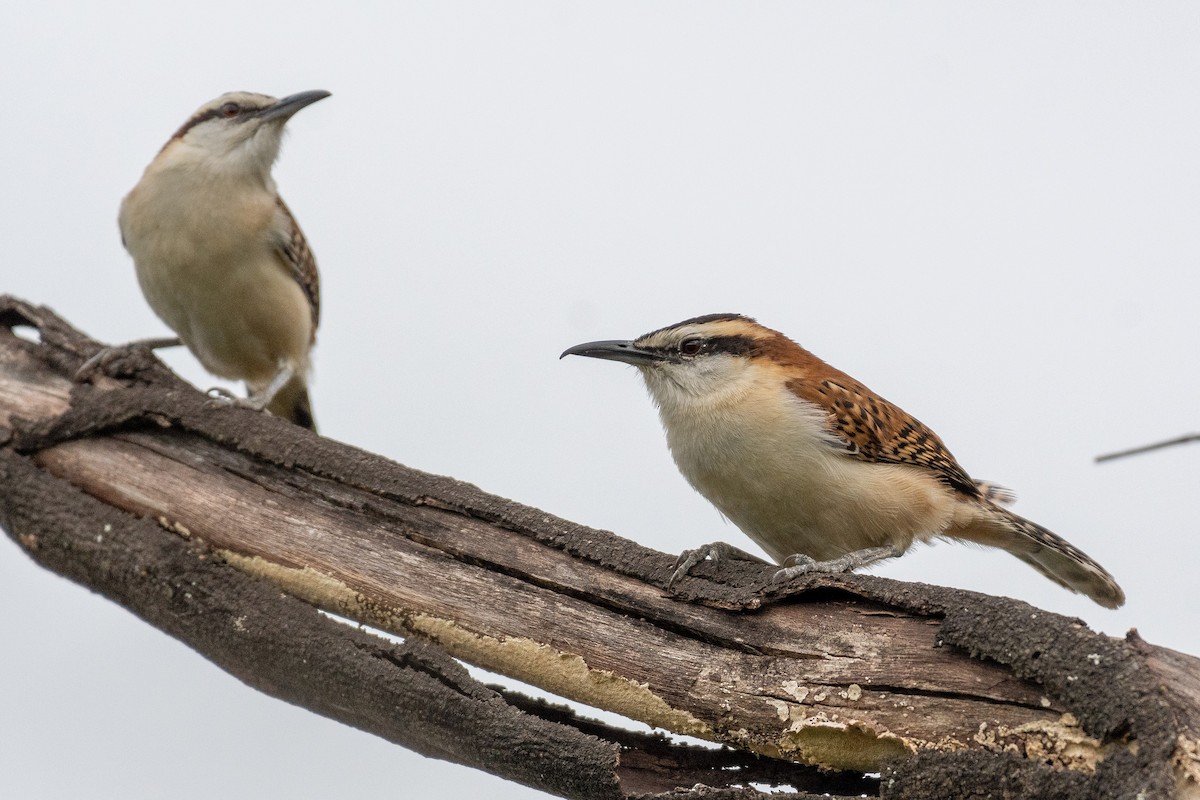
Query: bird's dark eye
point(230, 110)
point(690, 347)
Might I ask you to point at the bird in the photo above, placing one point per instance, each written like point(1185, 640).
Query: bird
point(219, 256)
point(818, 470)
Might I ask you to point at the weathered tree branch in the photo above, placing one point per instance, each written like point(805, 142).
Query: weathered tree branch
point(131, 486)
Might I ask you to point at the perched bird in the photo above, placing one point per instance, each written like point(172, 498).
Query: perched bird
point(219, 256)
point(821, 472)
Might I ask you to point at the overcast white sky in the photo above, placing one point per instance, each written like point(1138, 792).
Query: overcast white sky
point(987, 212)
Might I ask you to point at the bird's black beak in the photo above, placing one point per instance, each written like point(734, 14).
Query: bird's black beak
point(614, 350)
point(289, 105)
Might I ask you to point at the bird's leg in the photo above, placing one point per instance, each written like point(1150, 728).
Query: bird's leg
point(106, 356)
point(260, 400)
point(714, 551)
point(799, 564)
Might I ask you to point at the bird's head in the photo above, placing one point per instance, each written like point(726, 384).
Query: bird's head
point(697, 360)
point(239, 131)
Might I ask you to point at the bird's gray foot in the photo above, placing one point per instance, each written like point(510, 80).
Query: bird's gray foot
point(714, 552)
point(800, 564)
point(106, 357)
point(226, 396)
point(221, 393)
point(257, 401)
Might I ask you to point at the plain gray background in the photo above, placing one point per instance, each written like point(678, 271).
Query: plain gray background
point(987, 212)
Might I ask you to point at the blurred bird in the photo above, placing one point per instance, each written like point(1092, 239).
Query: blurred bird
point(821, 472)
point(219, 256)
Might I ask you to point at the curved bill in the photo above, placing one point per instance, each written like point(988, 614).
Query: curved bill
point(292, 103)
point(614, 350)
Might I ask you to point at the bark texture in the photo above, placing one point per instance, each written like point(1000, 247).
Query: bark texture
point(193, 514)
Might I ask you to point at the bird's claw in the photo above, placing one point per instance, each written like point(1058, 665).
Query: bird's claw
point(688, 559)
point(105, 357)
point(799, 564)
point(223, 395)
point(795, 565)
point(710, 552)
point(99, 362)
point(785, 574)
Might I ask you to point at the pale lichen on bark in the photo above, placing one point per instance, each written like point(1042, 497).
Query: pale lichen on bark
point(565, 674)
point(562, 673)
point(1187, 766)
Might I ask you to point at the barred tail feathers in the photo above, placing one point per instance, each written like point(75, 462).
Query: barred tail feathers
point(1045, 551)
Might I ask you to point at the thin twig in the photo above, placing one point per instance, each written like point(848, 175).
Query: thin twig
point(1191, 437)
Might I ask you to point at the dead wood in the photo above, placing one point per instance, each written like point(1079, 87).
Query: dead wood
point(193, 514)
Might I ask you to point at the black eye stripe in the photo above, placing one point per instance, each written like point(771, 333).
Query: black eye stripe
point(734, 345)
point(694, 346)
